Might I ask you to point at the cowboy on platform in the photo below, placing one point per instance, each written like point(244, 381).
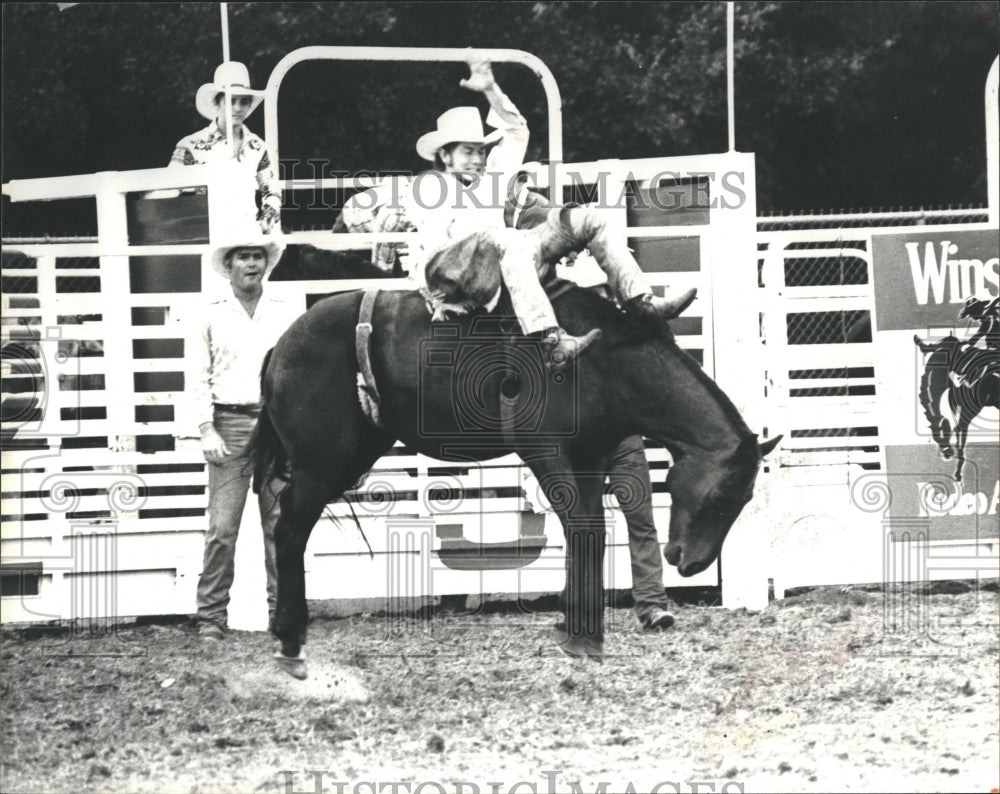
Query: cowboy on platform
point(241, 160)
point(464, 247)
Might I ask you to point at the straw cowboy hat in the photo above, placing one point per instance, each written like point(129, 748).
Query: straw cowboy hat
point(272, 253)
point(234, 75)
point(458, 125)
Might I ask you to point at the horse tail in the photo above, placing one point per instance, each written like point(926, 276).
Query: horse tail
point(267, 454)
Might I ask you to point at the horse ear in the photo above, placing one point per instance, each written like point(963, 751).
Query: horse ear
point(768, 446)
point(746, 453)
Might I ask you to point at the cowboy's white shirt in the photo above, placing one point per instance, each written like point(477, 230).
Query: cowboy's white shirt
point(226, 348)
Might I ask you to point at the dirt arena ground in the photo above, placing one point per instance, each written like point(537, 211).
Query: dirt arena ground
point(815, 693)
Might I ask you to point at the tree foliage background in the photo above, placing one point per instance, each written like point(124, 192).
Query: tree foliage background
point(846, 104)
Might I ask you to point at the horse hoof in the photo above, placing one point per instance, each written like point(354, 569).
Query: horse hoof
point(583, 648)
point(291, 648)
point(595, 650)
point(295, 666)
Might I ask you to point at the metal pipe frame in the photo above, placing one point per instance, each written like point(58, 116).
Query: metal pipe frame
point(411, 54)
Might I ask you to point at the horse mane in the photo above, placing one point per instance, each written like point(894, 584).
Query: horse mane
point(622, 330)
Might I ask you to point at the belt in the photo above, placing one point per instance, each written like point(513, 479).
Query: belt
point(250, 409)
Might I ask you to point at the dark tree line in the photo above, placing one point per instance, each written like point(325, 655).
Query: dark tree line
point(846, 104)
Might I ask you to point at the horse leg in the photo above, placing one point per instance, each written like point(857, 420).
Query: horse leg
point(961, 434)
point(585, 539)
point(577, 499)
point(302, 503)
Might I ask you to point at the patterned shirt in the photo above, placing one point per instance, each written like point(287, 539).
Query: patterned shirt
point(251, 166)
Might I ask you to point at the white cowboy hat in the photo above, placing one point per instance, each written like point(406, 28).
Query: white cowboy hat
point(234, 75)
point(272, 252)
point(458, 125)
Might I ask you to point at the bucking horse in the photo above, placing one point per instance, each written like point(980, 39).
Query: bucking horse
point(958, 382)
point(475, 389)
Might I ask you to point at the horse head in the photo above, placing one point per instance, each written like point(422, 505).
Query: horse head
point(708, 492)
point(669, 398)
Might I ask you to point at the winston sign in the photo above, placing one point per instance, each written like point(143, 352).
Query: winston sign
point(937, 323)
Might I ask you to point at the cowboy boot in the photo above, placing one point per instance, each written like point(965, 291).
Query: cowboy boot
point(648, 307)
point(561, 348)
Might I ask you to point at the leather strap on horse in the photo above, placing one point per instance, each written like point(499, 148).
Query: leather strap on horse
point(367, 390)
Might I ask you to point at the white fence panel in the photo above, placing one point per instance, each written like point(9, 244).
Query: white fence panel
point(828, 524)
point(94, 337)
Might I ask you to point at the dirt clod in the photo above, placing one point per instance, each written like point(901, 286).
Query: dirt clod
point(98, 770)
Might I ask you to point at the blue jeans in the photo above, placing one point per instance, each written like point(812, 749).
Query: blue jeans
point(228, 484)
point(629, 479)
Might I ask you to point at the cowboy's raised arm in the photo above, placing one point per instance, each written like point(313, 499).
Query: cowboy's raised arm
point(481, 79)
point(509, 153)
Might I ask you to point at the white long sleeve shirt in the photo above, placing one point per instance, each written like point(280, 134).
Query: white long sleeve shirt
point(227, 351)
point(444, 210)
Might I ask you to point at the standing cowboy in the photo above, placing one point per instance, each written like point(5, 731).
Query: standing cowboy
point(233, 337)
point(244, 167)
point(458, 210)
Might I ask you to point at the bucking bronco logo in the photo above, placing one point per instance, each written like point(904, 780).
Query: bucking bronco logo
point(961, 378)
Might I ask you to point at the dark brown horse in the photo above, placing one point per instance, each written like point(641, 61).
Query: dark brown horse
point(471, 390)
